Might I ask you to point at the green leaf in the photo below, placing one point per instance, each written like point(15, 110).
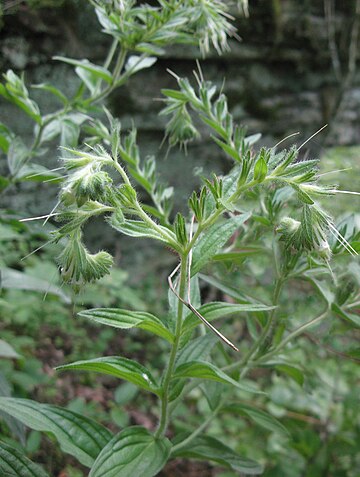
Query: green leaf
point(136, 63)
point(349, 317)
point(260, 417)
point(124, 319)
point(135, 228)
point(5, 137)
point(260, 169)
point(21, 100)
point(69, 133)
point(295, 373)
point(7, 351)
point(96, 71)
point(225, 147)
point(18, 153)
point(217, 309)
point(77, 435)
point(37, 173)
point(133, 452)
point(122, 368)
point(198, 348)
point(15, 427)
point(204, 370)
point(292, 371)
point(13, 279)
point(51, 89)
point(207, 448)
point(239, 255)
point(227, 289)
point(13, 463)
point(213, 239)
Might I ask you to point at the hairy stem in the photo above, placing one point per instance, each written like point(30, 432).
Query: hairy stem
point(164, 417)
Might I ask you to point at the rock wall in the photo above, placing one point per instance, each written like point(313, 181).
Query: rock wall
point(290, 73)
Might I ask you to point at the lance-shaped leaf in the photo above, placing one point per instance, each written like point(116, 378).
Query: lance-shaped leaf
point(77, 435)
point(136, 228)
point(217, 309)
point(213, 239)
point(207, 448)
point(13, 463)
point(349, 317)
point(125, 319)
point(122, 368)
point(204, 370)
point(96, 71)
point(199, 348)
point(260, 417)
point(133, 452)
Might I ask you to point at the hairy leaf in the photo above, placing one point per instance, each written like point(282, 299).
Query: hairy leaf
point(213, 239)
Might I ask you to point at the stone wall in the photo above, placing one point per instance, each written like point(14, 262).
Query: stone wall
point(279, 79)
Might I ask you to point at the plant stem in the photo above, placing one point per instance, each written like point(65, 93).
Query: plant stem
point(161, 231)
point(293, 335)
point(213, 217)
point(265, 333)
point(164, 417)
point(198, 430)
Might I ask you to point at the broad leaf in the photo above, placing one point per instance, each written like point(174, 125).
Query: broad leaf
point(122, 368)
point(260, 417)
point(213, 239)
point(77, 435)
point(133, 452)
point(217, 309)
point(204, 370)
point(125, 319)
point(207, 448)
point(13, 463)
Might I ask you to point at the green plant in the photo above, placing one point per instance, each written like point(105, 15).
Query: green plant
point(264, 218)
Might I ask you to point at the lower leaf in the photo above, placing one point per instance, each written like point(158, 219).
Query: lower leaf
point(133, 452)
point(208, 448)
point(13, 463)
point(77, 435)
